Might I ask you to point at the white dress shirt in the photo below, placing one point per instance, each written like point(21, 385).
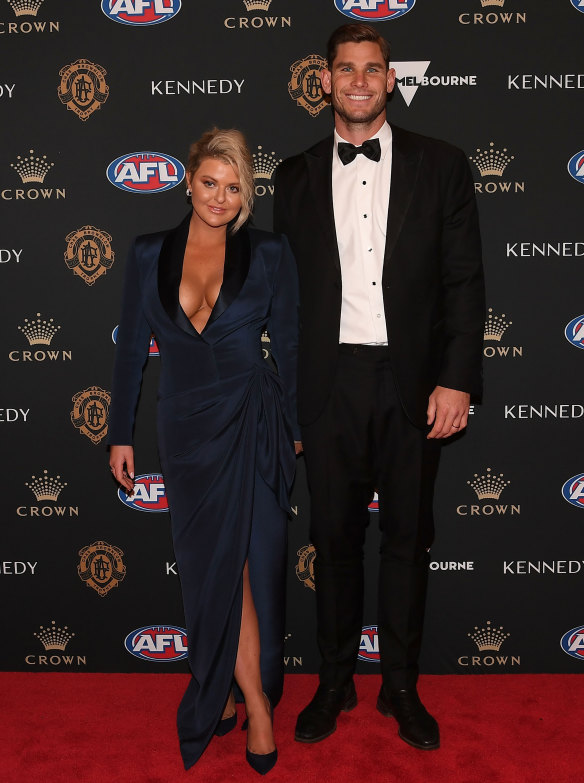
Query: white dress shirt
point(360, 205)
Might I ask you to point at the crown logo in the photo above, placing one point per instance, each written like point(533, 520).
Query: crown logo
point(489, 638)
point(500, 3)
point(496, 326)
point(33, 169)
point(492, 162)
point(488, 486)
point(257, 5)
point(38, 331)
point(264, 164)
point(46, 487)
point(25, 7)
point(54, 638)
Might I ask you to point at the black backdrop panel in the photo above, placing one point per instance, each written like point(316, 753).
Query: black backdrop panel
point(89, 583)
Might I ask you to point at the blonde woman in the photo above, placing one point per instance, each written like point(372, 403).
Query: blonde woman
point(226, 425)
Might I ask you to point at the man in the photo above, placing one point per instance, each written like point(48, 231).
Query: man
point(384, 227)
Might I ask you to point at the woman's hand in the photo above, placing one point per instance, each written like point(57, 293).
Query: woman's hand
point(122, 466)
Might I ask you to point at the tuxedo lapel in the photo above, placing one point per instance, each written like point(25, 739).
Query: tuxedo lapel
point(319, 162)
point(405, 166)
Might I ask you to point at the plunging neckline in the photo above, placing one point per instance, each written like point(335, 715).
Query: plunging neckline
point(170, 266)
point(218, 292)
point(210, 314)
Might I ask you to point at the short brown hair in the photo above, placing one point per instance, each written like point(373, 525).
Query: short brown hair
point(355, 32)
point(230, 147)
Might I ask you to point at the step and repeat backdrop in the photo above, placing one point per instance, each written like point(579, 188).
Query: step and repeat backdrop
point(99, 102)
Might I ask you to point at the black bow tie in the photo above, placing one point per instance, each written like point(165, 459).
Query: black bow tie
point(348, 152)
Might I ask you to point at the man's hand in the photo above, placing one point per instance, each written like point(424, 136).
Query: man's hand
point(447, 411)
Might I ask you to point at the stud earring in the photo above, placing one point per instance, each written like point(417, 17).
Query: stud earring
point(189, 192)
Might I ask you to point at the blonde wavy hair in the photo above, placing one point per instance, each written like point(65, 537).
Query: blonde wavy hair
point(230, 147)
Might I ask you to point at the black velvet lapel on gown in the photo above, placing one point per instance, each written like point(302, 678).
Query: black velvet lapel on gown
point(235, 271)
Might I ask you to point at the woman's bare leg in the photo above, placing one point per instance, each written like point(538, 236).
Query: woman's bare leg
point(260, 737)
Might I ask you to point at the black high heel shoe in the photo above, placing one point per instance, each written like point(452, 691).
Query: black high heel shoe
point(262, 762)
point(225, 725)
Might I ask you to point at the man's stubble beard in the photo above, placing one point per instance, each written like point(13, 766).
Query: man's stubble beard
point(359, 119)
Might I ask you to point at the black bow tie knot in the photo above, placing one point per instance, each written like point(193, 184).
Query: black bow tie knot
point(348, 152)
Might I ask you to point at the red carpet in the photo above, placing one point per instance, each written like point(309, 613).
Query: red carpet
point(119, 728)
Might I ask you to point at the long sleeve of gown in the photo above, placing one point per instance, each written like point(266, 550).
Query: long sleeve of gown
point(283, 328)
point(134, 335)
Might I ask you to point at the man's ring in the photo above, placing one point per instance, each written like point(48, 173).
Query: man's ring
point(456, 426)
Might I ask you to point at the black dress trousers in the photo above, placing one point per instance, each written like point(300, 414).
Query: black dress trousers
point(361, 443)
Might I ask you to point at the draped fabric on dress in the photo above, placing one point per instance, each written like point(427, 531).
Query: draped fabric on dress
point(225, 440)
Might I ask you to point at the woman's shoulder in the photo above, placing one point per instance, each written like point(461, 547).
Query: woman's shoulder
point(269, 240)
point(153, 241)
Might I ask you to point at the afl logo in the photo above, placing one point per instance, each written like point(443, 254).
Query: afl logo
point(573, 490)
point(576, 166)
point(374, 505)
point(161, 643)
point(145, 172)
point(140, 12)
point(578, 5)
point(149, 494)
point(152, 348)
point(374, 10)
point(575, 331)
point(572, 642)
point(369, 646)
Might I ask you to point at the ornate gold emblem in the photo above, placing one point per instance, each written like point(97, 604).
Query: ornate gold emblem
point(305, 566)
point(304, 87)
point(89, 253)
point(90, 413)
point(83, 88)
point(101, 566)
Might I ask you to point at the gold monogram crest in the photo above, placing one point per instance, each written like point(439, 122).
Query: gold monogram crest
point(90, 413)
point(305, 566)
point(304, 87)
point(101, 566)
point(83, 88)
point(89, 253)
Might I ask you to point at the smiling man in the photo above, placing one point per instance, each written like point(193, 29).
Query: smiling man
point(384, 227)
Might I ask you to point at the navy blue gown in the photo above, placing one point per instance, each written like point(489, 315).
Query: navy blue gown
point(226, 424)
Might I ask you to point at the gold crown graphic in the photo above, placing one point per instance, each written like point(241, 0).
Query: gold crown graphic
point(489, 638)
point(492, 162)
point(492, 2)
point(32, 169)
point(54, 638)
point(264, 164)
point(46, 487)
point(257, 5)
point(25, 7)
point(488, 486)
point(39, 331)
point(496, 326)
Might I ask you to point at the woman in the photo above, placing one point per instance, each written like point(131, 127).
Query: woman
point(207, 289)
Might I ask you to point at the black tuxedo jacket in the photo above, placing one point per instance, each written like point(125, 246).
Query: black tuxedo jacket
point(432, 281)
